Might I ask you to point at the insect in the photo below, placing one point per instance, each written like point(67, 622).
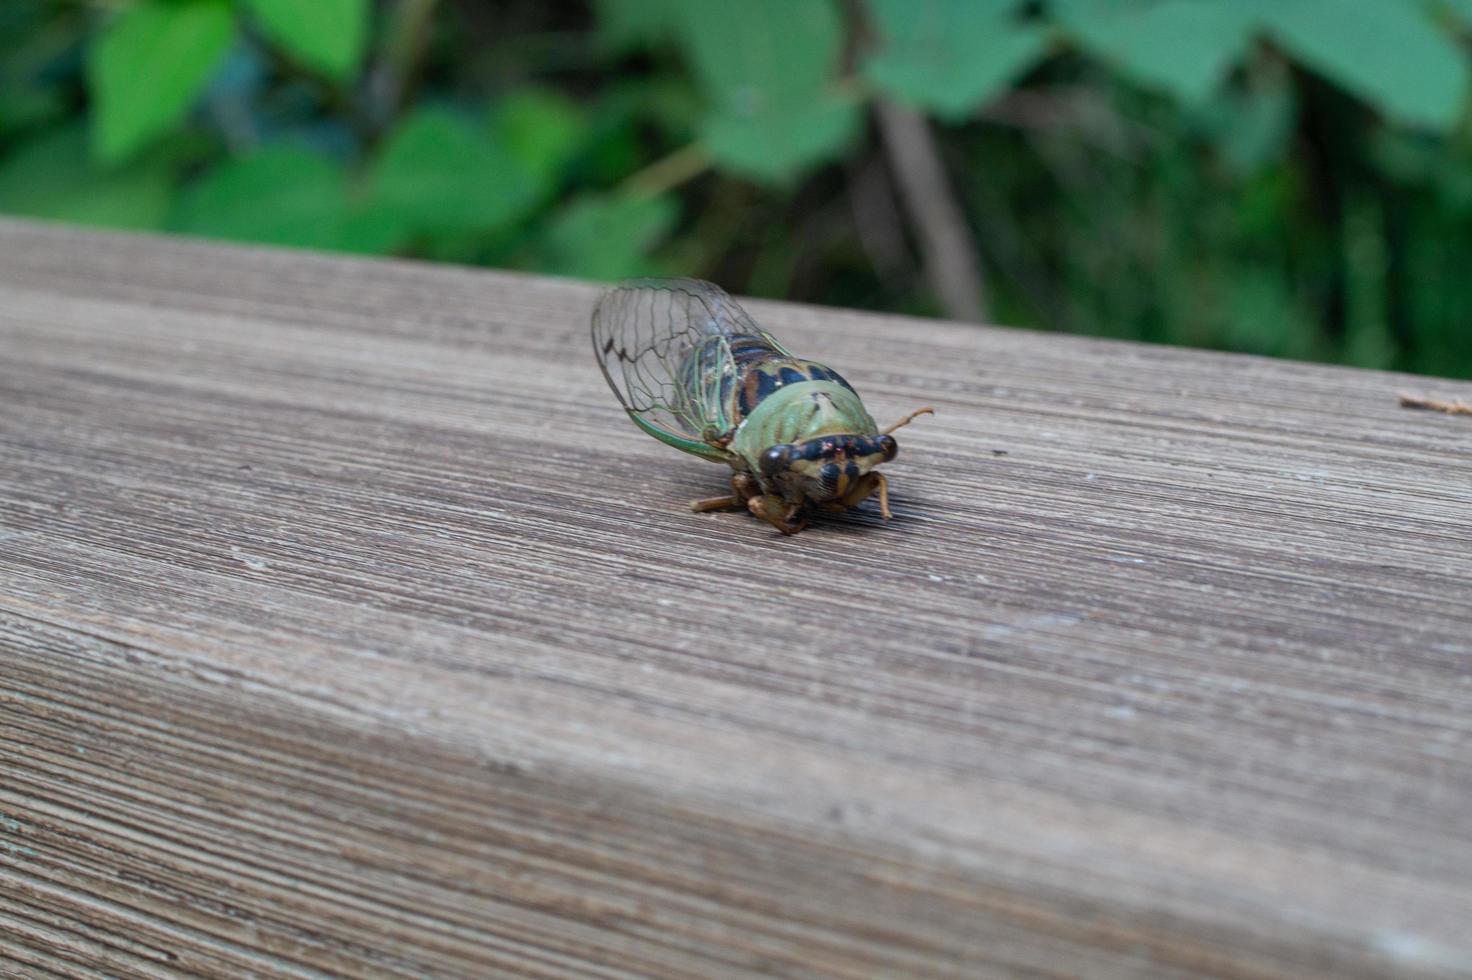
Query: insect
point(693, 370)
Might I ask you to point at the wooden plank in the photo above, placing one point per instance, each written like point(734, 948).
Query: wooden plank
point(348, 627)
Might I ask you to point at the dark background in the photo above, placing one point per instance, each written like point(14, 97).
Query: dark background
point(1286, 177)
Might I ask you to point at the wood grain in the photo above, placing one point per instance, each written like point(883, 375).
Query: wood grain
point(346, 627)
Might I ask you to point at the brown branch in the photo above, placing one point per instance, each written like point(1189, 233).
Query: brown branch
point(881, 228)
point(399, 63)
point(952, 263)
point(668, 172)
point(1436, 405)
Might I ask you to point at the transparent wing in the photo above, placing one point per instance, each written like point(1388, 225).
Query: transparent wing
point(665, 348)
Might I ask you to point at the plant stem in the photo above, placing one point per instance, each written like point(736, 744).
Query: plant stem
point(668, 172)
point(952, 263)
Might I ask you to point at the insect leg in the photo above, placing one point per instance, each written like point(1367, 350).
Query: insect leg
point(908, 419)
point(883, 495)
point(743, 488)
point(861, 491)
point(777, 512)
point(716, 503)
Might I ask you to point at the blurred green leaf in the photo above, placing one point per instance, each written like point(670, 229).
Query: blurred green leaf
point(950, 56)
point(776, 145)
point(54, 176)
point(149, 66)
point(1258, 309)
point(626, 24)
point(767, 67)
point(615, 150)
point(23, 106)
point(1388, 52)
point(441, 174)
point(1324, 236)
point(1183, 47)
point(1252, 128)
point(764, 53)
point(36, 48)
point(543, 128)
point(285, 195)
point(37, 38)
point(1404, 156)
point(1410, 158)
point(328, 35)
point(1460, 9)
point(607, 236)
point(668, 101)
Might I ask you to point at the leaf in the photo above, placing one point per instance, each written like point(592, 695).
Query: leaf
point(1406, 157)
point(776, 145)
point(328, 35)
point(284, 195)
point(765, 52)
point(628, 24)
point(53, 176)
point(1390, 53)
point(1386, 52)
point(1459, 9)
point(543, 129)
point(440, 174)
point(767, 69)
point(149, 66)
point(1262, 316)
point(606, 237)
point(950, 56)
point(25, 105)
point(1183, 47)
point(668, 101)
point(1251, 128)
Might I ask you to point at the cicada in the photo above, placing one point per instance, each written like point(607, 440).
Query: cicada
point(693, 370)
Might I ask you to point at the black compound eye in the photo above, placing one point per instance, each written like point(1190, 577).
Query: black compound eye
point(889, 447)
point(776, 459)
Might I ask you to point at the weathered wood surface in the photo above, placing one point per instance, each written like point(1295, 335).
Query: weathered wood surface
point(348, 627)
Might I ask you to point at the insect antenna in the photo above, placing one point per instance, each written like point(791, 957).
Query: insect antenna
point(908, 419)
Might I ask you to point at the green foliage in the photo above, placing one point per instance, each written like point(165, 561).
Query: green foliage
point(25, 106)
point(950, 56)
point(543, 129)
point(54, 176)
point(776, 145)
point(768, 67)
point(629, 24)
point(149, 66)
point(1251, 129)
point(1387, 52)
point(29, 42)
point(1185, 48)
point(1287, 177)
point(327, 35)
point(286, 195)
point(606, 236)
point(439, 173)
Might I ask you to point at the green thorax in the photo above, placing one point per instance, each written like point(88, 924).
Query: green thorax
point(797, 413)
